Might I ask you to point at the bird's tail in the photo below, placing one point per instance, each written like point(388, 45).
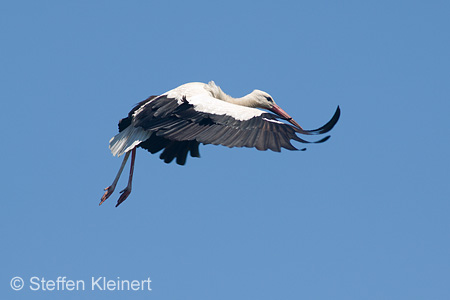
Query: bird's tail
point(127, 139)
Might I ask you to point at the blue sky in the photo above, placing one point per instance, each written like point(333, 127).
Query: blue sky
point(362, 216)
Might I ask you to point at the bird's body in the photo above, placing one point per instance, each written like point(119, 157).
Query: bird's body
point(194, 113)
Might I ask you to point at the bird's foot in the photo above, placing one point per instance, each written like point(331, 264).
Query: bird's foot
point(125, 193)
point(109, 190)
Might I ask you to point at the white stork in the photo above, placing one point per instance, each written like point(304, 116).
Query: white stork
point(193, 113)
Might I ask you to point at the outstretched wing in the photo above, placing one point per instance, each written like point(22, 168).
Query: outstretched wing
point(183, 121)
point(178, 126)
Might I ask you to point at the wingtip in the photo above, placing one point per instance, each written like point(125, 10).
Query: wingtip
point(325, 128)
point(322, 140)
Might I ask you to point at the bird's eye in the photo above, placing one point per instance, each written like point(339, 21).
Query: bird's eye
point(269, 99)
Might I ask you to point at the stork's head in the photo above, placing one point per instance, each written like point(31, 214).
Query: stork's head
point(265, 101)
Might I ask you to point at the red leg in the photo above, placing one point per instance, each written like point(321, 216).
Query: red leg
point(127, 191)
point(110, 189)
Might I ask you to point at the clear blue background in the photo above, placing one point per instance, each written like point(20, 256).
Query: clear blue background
point(363, 216)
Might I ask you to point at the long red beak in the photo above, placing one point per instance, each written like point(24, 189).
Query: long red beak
point(276, 109)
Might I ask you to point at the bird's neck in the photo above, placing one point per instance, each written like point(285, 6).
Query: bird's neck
point(217, 92)
point(247, 100)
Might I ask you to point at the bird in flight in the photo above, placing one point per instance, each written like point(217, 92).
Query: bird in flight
point(195, 113)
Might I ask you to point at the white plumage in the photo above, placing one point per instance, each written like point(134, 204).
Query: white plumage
point(204, 98)
point(198, 113)
point(128, 139)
